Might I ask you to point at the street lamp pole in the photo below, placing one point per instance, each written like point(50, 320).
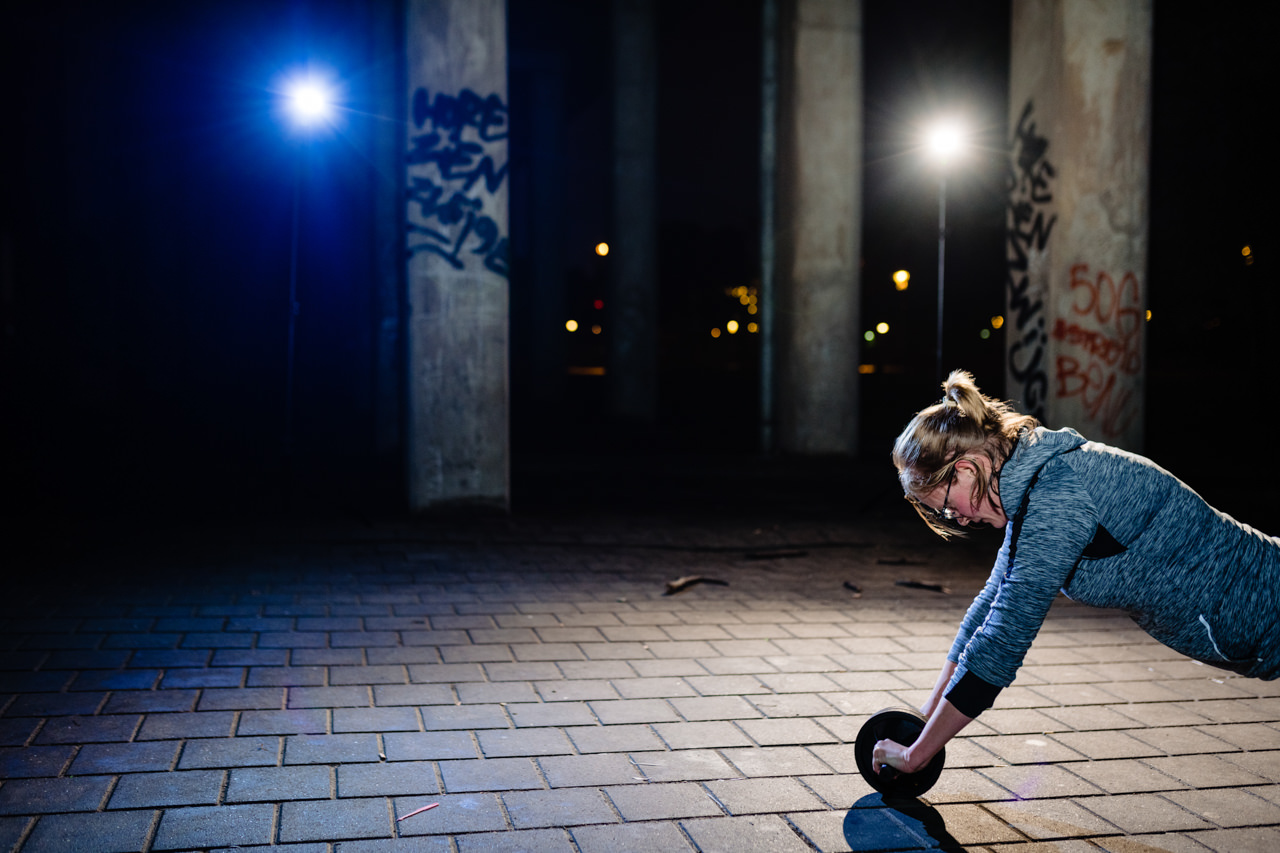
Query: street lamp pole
point(942, 254)
point(945, 142)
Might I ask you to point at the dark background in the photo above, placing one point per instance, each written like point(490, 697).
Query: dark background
point(147, 202)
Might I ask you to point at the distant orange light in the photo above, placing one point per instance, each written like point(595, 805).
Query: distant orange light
point(901, 279)
point(602, 249)
point(715, 333)
point(595, 330)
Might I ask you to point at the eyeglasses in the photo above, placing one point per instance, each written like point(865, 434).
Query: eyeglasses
point(946, 513)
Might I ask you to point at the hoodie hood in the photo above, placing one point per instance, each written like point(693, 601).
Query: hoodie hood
point(1034, 448)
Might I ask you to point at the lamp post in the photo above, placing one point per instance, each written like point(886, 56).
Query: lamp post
point(945, 142)
point(308, 104)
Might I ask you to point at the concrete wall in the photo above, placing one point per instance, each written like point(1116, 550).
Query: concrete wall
point(819, 225)
point(456, 222)
point(1080, 106)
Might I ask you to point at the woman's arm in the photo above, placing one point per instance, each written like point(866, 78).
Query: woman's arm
point(939, 689)
point(944, 723)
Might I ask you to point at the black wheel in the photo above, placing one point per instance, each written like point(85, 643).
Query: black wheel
point(901, 725)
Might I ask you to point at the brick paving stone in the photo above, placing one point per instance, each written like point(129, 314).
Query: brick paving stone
point(175, 788)
point(327, 657)
point(613, 738)
point(797, 682)
point(1248, 736)
point(726, 685)
point(634, 838)
point(498, 743)
point(1050, 819)
point(575, 691)
point(330, 820)
point(438, 717)
point(755, 834)
point(89, 729)
point(517, 841)
point(176, 679)
point(1139, 813)
point(412, 694)
point(662, 801)
point(376, 720)
point(479, 812)
point(561, 807)
point(507, 691)
point(245, 698)
point(680, 667)
point(839, 757)
point(426, 746)
point(150, 702)
point(491, 774)
point(97, 832)
point(1182, 740)
point(762, 796)
point(328, 697)
point(18, 731)
point(250, 657)
point(284, 722)
point(792, 705)
point(1265, 765)
point(572, 771)
point(785, 731)
point(225, 752)
point(1260, 840)
point(1035, 781)
point(1209, 771)
point(273, 784)
point(867, 829)
point(214, 826)
point(330, 749)
point(32, 761)
point(686, 766)
point(701, 735)
point(191, 724)
point(1102, 745)
point(126, 679)
point(625, 711)
point(383, 674)
point(286, 676)
point(37, 796)
point(535, 714)
point(1228, 807)
point(124, 757)
point(1026, 749)
point(54, 704)
point(386, 780)
point(775, 761)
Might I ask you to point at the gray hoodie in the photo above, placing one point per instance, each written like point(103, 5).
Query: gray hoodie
point(1193, 578)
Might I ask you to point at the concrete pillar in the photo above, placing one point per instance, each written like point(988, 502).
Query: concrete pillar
point(633, 315)
point(456, 221)
point(1080, 107)
point(819, 225)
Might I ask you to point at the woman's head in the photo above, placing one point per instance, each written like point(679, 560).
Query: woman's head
point(967, 431)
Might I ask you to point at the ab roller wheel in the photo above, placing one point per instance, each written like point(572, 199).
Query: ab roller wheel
point(900, 725)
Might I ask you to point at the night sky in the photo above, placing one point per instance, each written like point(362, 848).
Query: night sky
point(147, 224)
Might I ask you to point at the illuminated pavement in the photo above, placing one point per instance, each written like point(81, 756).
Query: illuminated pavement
point(313, 689)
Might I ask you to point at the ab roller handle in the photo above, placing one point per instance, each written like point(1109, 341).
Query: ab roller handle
point(900, 725)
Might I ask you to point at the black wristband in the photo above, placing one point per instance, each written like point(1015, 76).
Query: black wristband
point(972, 695)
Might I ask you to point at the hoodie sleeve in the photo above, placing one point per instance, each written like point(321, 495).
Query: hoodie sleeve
point(1039, 552)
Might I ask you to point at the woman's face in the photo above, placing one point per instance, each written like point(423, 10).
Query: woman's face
point(955, 496)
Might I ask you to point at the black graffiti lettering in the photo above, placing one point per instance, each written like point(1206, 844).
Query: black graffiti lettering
point(1029, 228)
point(447, 161)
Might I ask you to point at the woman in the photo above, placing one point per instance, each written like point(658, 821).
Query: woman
point(1105, 527)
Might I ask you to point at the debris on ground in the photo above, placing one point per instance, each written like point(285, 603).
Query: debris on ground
point(683, 583)
point(853, 588)
point(929, 585)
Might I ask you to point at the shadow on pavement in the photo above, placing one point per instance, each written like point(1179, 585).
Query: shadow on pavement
point(876, 823)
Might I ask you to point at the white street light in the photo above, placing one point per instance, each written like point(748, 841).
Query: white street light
point(309, 101)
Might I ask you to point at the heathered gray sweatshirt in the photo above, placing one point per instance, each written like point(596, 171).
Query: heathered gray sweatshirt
point(1193, 578)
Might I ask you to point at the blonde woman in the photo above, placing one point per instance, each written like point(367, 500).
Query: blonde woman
point(1105, 527)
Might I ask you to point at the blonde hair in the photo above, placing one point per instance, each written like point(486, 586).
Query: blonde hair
point(965, 423)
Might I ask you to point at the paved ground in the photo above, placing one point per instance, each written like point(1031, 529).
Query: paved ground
point(313, 689)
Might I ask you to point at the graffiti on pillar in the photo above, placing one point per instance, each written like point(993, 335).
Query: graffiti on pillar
point(452, 168)
point(1030, 222)
point(1100, 343)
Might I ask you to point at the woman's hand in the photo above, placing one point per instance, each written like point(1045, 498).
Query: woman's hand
point(893, 754)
